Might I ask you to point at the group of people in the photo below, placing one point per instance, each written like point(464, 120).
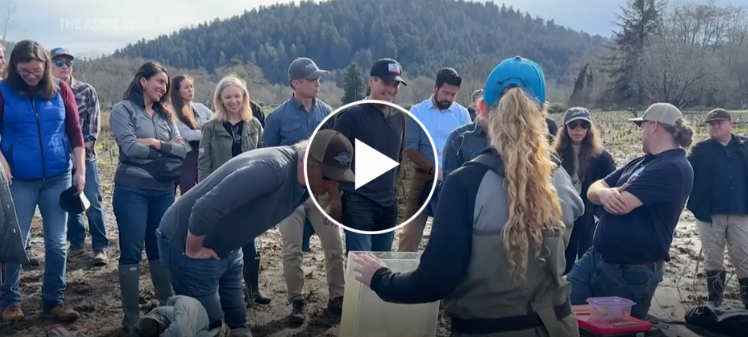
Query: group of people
point(523, 228)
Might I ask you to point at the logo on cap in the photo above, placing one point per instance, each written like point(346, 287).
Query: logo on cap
point(501, 83)
point(394, 68)
point(343, 158)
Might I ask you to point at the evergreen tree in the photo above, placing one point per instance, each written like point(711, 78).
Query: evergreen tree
point(353, 84)
point(638, 20)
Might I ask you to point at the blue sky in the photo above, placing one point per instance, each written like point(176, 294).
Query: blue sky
point(100, 26)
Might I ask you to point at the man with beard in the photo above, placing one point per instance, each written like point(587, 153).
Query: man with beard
point(293, 121)
point(439, 114)
point(373, 207)
point(643, 201)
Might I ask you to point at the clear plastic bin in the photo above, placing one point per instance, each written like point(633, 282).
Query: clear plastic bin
point(366, 315)
point(610, 309)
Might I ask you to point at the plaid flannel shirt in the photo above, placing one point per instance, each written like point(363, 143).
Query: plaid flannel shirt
point(89, 112)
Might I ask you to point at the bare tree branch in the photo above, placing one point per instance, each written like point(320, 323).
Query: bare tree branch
point(9, 12)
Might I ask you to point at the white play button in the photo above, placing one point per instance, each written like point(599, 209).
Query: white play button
point(370, 163)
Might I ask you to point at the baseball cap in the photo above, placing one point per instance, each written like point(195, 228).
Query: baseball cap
point(575, 114)
point(305, 68)
point(663, 113)
point(388, 70)
point(718, 115)
point(335, 152)
point(58, 52)
point(515, 71)
point(74, 202)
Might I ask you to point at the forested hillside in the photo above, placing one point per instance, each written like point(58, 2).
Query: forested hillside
point(423, 35)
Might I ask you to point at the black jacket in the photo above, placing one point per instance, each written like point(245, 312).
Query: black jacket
point(257, 112)
point(702, 158)
point(601, 168)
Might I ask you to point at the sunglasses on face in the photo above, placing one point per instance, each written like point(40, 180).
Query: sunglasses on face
point(61, 63)
point(574, 125)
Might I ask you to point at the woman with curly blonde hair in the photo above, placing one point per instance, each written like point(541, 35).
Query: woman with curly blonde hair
point(496, 253)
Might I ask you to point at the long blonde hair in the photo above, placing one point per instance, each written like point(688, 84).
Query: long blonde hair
point(518, 131)
point(220, 111)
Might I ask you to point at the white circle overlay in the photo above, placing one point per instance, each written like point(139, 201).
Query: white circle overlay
point(333, 114)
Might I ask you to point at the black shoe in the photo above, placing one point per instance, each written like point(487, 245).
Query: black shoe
point(715, 286)
point(33, 261)
point(744, 291)
point(252, 283)
point(335, 305)
point(298, 312)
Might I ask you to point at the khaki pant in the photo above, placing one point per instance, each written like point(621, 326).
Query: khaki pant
point(725, 229)
point(412, 233)
point(292, 231)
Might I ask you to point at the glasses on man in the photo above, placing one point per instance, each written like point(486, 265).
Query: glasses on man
point(61, 63)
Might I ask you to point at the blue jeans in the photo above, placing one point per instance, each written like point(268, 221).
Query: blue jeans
point(94, 214)
point(217, 284)
point(592, 277)
point(27, 194)
point(364, 214)
point(138, 213)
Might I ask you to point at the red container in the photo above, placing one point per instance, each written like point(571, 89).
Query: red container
point(588, 322)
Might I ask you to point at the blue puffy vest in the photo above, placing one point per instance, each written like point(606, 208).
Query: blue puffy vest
point(34, 141)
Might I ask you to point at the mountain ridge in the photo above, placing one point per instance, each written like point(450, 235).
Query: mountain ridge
point(335, 33)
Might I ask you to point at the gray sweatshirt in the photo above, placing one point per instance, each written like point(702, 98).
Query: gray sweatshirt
point(240, 200)
point(202, 116)
point(128, 122)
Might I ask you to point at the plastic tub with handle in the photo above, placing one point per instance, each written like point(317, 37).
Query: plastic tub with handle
point(366, 315)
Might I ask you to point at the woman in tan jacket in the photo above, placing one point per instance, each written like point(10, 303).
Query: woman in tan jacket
point(231, 131)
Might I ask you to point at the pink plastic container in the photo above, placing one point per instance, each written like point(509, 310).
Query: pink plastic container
point(610, 309)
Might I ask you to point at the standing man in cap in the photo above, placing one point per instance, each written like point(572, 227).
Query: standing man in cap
point(719, 201)
point(202, 233)
point(293, 121)
point(89, 112)
point(373, 207)
point(642, 201)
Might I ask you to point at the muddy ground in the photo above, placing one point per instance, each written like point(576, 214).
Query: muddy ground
point(94, 291)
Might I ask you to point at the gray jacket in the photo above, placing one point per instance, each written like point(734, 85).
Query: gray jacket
point(181, 316)
point(129, 122)
point(202, 116)
point(12, 247)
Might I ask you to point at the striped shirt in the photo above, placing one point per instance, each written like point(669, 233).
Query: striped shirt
point(89, 113)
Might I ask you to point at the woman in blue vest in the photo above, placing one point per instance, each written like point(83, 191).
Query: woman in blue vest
point(38, 128)
point(150, 160)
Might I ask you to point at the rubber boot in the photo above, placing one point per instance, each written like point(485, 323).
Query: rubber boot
point(715, 286)
point(252, 280)
point(308, 232)
point(744, 291)
point(129, 284)
point(161, 281)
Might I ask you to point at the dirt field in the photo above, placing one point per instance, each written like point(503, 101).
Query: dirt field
point(94, 291)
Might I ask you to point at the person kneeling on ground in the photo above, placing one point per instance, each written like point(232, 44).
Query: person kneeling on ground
point(181, 316)
point(496, 255)
point(202, 234)
point(642, 201)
